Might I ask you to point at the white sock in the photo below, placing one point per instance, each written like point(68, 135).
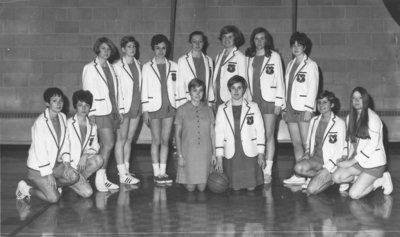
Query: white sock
point(100, 175)
point(163, 167)
point(156, 169)
point(268, 167)
point(121, 169)
point(127, 166)
point(378, 183)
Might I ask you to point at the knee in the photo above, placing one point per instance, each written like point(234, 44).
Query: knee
point(269, 136)
point(108, 146)
point(336, 178)
point(354, 194)
point(311, 189)
point(299, 168)
point(98, 160)
point(156, 141)
point(53, 197)
point(190, 187)
point(72, 176)
point(165, 142)
point(88, 192)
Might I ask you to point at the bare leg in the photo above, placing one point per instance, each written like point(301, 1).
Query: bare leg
point(362, 186)
point(165, 136)
point(107, 139)
point(303, 133)
point(307, 168)
point(201, 187)
point(94, 163)
point(269, 122)
point(155, 140)
point(190, 187)
point(321, 181)
point(294, 131)
point(133, 125)
point(122, 134)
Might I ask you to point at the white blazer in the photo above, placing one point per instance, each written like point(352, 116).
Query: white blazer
point(151, 85)
point(90, 142)
point(251, 130)
point(271, 79)
point(46, 149)
point(234, 64)
point(334, 144)
point(370, 153)
point(94, 80)
point(187, 72)
point(305, 85)
point(126, 81)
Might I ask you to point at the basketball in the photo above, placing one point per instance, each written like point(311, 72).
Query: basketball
point(217, 182)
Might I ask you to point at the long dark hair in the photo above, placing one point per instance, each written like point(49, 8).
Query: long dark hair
point(269, 43)
point(358, 128)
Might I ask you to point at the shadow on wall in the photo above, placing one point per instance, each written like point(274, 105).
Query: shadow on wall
point(393, 6)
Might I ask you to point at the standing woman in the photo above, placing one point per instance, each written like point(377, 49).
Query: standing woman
point(158, 102)
point(229, 62)
point(240, 138)
point(302, 80)
point(195, 64)
point(194, 133)
point(367, 157)
point(99, 78)
point(266, 86)
point(129, 76)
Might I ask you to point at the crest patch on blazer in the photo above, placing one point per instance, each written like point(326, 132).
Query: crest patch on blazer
point(332, 138)
point(250, 120)
point(173, 76)
point(301, 77)
point(269, 69)
point(91, 141)
point(231, 67)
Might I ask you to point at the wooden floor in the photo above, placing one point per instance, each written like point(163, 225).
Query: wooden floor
point(148, 210)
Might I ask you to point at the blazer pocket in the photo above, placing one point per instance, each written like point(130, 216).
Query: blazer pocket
point(303, 95)
point(100, 99)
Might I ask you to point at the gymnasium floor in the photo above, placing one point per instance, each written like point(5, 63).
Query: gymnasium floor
point(148, 210)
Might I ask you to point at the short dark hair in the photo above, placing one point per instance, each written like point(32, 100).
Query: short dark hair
point(129, 38)
point(302, 39)
point(327, 94)
point(159, 38)
point(269, 43)
point(114, 51)
point(50, 92)
point(237, 34)
point(205, 39)
point(194, 83)
point(237, 79)
point(82, 95)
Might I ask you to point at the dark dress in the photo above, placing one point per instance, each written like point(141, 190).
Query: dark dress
point(166, 110)
point(242, 171)
point(265, 106)
point(136, 108)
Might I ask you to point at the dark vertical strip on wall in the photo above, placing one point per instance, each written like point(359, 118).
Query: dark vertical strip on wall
point(172, 28)
point(294, 16)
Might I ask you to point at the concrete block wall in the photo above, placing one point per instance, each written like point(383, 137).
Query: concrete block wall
point(45, 43)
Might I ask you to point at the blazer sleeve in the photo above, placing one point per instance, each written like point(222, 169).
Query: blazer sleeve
point(88, 84)
point(119, 79)
point(66, 148)
point(372, 144)
point(280, 85)
point(39, 142)
point(308, 142)
point(220, 132)
point(260, 129)
point(312, 84)
point(145, 93)
point(181, 85)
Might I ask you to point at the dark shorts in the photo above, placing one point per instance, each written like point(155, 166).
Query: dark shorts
point(133, 114)
point(376, 171)
point(294, 116)
point(164, 112)
point(266, 107)
point(108, 121)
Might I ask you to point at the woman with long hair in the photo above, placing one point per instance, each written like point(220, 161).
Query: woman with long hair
point(366, 163)
point(266, 87)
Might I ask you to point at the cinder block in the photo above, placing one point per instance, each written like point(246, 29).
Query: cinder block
point(74, 53)
point(269, 12)
point(359, 39)
point(40, 80)
point(359, 12)
point(163, 14)
point(369, 2)
point(15, 26)
point(332, 65)
point(67, 79)
point(66, 27)
point(109, 13)
point(145, 27)
point(21, 66)
point(237, 13)
point(117, 26)
point(370, 26)
point(268, 3)
point(54, 14)
point(42, 54)
point(91, 3)
point(384, 66)
point(213, 12)
point(333, 12)
point(130, 14)
point(380, 12)
point(217, 3)
point(320, 2)
point(193, 3)
point(338, 25)
point(308, 25)
point(333, 39)
point(358, 65)
point(16, 53)
point(82, 13)
point(118, 3)
point(344, 2)
point(244, 3)
point(306, 11)
point(42, 27)
point(76, 40)
point(189, 26)
point(53, 3)
point(144, 3)
point(17, 79)
point(390, 26)
point(21, 13)
point(95, 26)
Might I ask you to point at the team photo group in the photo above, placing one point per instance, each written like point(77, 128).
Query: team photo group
point(222, 115)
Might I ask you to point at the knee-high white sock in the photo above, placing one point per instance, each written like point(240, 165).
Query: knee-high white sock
point(156, 169)
point(121, 169)
point(163, 168)
point(100, 175)
point(268, 167)
point(127, 166)
point(378, 183)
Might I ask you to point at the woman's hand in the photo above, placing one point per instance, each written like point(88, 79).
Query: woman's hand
point(307, 116)
point(277, 110)
point(51, 181)
point(82, 163)
point(92, 120)
point(121, 117)
point(218, 166)
point(213, 160)
point(261, 161)
point(181, 161)
point(146, 118)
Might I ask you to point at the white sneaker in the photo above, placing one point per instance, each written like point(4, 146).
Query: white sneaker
point(110, 186)
point(165, 179)
point(128, 179)
point(343, 187)
point(23, 190)
point(294, 180)
point(387, 184)
point(305, 185)
point(60, 190)
point(100, 184)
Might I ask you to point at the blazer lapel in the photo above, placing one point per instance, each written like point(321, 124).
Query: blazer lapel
point(167, 68)
point(245, 111)
point(301, 66)
point(77, 130)
point(50, 126)
point(127, 69)
point(229, 115)
point(89, 129)
point(100, 71)
point(63, 127)
point(230, 55)
point(155, 68)
point(264, 64)
point(189, 61)
point(331, 123)
point(250, 74)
